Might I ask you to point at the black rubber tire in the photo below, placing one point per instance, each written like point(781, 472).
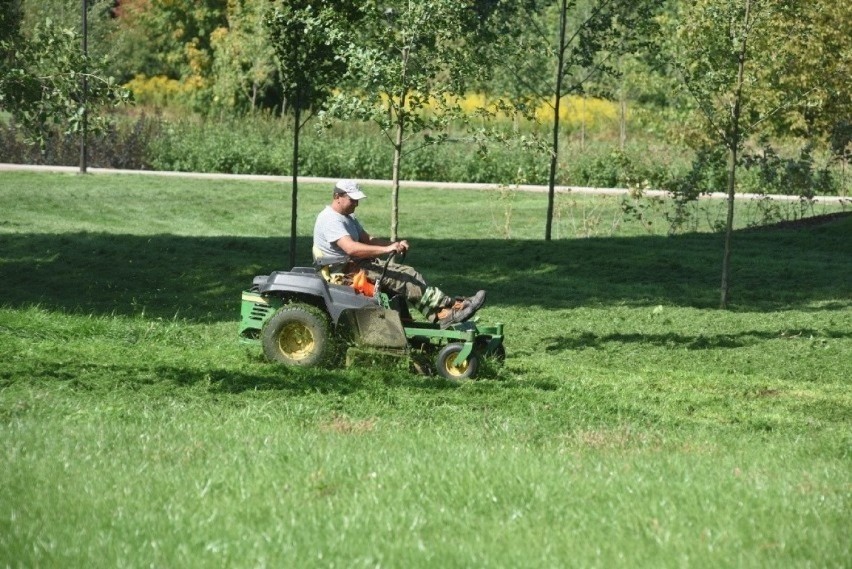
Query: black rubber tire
point(499, 355)
point(298, 335)
point(447, 369)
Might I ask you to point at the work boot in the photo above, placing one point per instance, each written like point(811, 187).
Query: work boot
point(476, 301)
point(461, 310)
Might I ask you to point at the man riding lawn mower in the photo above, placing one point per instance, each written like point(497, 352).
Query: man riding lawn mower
point(344, 248)
point(351, 299)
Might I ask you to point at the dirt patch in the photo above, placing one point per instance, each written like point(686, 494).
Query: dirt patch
point(344, 425)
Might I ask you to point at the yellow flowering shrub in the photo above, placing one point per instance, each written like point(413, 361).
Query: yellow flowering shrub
point(160, 91)
point(574, 110)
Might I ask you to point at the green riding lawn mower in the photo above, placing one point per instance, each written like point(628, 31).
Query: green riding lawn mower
point(301, 319)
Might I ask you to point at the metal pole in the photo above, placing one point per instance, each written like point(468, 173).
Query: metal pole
point(84, 158)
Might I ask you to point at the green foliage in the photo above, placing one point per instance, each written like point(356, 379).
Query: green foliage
point(262, 145)
point(203, 47)
point(244, 74)
point(124, 142)
point(724, 51)
point(410, 58)
point(170, 38)
point(707, 42)
point(571, 42)
point(813, 70)
point(308, 39)
point(41, 82)
point(210, 146)
point(767, 172)
point(174, 40)
point(10, 20)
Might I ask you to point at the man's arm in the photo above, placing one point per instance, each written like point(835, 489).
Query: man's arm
point(368, 246)
point(368, 239)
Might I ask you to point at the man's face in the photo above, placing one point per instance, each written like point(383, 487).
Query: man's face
point(346, 205)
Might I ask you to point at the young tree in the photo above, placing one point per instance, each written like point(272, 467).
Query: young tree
point(244, 70)
point(406, 66)
point(580, 42)
point(41, 69)
point(308, 38)
point(732, 57)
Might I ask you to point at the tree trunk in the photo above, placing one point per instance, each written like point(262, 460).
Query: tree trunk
point(729, 227)
point(397, 148)
point(733, 147)
point(294, 195)
point(554, 150)
point(397, 164)
point(622, 105)
point(84, 127)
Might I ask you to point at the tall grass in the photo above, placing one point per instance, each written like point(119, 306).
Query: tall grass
point(632, 425)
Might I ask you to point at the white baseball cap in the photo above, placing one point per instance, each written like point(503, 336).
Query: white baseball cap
point(350, 188)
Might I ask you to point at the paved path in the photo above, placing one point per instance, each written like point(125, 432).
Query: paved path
point(404, 184)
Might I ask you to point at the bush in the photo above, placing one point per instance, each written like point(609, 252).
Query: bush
point(249, 146)
point(766, 172)
point(125, 143)
point(262, 144)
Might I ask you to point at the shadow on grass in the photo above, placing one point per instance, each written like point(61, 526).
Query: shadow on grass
point(337, 382)
point(292, 381)
point(199, 278)
point(588, 340)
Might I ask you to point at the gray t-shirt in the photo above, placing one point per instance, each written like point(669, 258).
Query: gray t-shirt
point(329, 227)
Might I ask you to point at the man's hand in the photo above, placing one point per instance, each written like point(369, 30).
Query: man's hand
point(397, 247)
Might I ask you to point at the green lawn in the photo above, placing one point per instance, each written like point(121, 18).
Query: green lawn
point(633, 425)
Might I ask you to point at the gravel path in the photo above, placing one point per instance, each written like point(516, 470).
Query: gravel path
point(404, 184)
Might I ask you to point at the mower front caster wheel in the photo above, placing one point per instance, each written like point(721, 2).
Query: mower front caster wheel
point(447, 367)
point(298, 334)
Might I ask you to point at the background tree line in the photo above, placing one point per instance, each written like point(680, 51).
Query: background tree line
point(754, 84)
point(217, 58)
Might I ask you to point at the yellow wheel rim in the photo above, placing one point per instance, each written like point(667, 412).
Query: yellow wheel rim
point(455, 370)
point(296, 341)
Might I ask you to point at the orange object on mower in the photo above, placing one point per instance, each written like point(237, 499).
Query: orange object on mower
point(362, 284)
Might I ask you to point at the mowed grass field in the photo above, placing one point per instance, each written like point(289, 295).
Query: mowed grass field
point(633, 425)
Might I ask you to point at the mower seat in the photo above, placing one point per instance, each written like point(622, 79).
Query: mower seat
point(325, 270)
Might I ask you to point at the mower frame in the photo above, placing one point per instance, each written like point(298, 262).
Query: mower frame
point(346, 308)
